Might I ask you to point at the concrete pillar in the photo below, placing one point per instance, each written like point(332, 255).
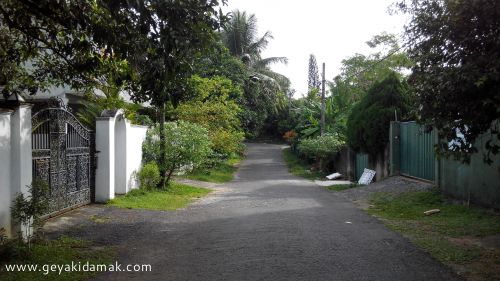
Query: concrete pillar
point(21, 149)
point(121, 154)
point(5, 170)
point(21, 155)
point(105, 146)
point(394, 148)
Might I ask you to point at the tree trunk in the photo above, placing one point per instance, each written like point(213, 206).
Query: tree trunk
point(170, 174)
point(162, 165)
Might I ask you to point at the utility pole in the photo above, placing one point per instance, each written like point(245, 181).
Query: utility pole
point(322, 131)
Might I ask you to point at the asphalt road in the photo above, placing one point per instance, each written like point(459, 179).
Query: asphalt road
point(264, 225)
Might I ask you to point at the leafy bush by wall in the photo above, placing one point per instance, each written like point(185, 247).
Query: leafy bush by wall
point(149, 176)
point(320, 147)
point(185, 144)
point(369, 121)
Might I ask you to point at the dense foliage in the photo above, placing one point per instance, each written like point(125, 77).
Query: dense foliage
point(369, 121)
point(148, 45)
point(320, 147)
point(46, 43)
point(185, 144)
point(358, 73)
point(212, 105)
point(455, 47)
point(264, 90)
point(149, 176)
point(111, 99)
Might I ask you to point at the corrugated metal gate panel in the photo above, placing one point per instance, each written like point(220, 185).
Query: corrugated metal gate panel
point(417, 151)
point(361, 164)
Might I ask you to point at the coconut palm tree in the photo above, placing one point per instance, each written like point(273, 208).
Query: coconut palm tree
point(240, 37)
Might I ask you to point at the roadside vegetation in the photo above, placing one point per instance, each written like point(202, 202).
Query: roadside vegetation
point(340, 187)
point(177, 196)
point(454, 236)
point(198, 78)
point(219, 173)
point(358, 106)
point(63, 251)
point(300, 167)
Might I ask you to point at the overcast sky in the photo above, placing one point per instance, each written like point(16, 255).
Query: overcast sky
point(330, 29)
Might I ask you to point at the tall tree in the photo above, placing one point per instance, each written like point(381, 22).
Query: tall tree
point(359, 72)
point(150, 43)
point(45, 43)
point(313, 81)
point(455, 46)
point(240, 37)
point(264, 88)
point(167, 36)
point(368, 122)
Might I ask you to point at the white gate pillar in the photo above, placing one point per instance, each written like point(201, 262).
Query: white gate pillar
point(105, 148)
point(121, 154)
point(5, 170)
point(16, 161)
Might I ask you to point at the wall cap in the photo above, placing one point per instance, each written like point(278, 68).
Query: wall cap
point(6, 111)
point(100, 118)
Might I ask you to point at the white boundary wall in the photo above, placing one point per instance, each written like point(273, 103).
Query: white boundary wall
point(120, 153)
point(119, 146)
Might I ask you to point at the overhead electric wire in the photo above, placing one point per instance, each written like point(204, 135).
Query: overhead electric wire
point(375, 63)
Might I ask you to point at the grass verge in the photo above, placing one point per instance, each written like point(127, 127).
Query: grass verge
point(221, 173)
point(176, 196)
point(453, 236)
point(299, 167)
point(340, 187)
point(59, 252)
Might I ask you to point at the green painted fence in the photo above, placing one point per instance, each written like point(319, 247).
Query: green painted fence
point(412, 154)
point(361, 164)
point(476, 182)
point(417, 156)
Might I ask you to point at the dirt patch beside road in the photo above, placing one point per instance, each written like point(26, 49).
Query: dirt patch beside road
point(361, 194)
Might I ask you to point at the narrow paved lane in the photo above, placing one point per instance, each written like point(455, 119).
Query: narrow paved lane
point(265, 225)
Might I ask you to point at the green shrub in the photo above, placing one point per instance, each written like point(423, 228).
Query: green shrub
point(149, 176)
point(211, 104)
point(185, 144)
point(369, 121)
point(320, 148)
point(28, 210)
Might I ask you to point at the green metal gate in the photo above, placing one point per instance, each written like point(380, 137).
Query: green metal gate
point(361, 164)
point(417, 156)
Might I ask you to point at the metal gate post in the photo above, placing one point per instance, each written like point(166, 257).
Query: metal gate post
point(394, 148)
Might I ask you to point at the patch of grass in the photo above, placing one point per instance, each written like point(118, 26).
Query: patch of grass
point(299, 167)
point(97, 219)
point(436, 244)
point(59, 252)
point(453, 220)
point(176, 196)
point(436, 233)
point(340, 187)
point(221, 173)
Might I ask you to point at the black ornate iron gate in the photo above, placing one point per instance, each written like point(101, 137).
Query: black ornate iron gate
point(63, 156)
